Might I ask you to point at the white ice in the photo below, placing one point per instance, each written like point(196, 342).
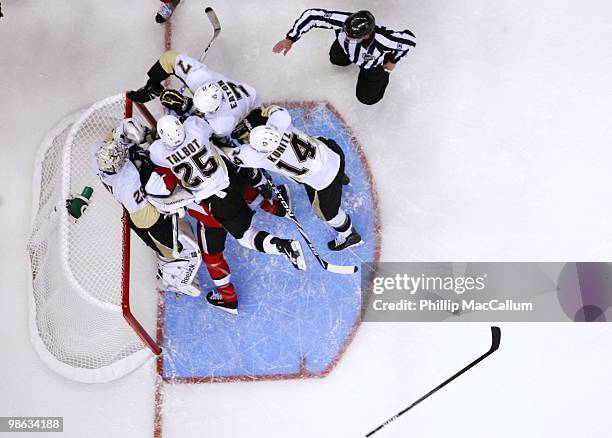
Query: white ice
point(492, 144)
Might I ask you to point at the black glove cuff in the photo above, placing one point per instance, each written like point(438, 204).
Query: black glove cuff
point(155, 88)
point(157, 74)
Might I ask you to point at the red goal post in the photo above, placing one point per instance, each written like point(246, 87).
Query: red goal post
point(125, 275)
point(81, 270)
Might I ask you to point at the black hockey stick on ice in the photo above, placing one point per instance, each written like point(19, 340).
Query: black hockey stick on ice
point(495, 340)
point(338, 269)
point(214, 20)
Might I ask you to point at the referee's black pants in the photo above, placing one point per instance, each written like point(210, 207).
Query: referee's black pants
point(371, 83)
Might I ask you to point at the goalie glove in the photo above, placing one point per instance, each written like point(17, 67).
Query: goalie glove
point(175, 101)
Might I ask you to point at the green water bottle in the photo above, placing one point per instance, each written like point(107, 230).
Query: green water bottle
point(77, 205)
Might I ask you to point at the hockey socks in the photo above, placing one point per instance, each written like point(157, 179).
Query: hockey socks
point(266, 242)
point(220, 273)
point(224, 295)
point(272, 206)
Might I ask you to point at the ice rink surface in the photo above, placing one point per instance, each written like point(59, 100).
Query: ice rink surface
point(492, 144)
point(286, 328)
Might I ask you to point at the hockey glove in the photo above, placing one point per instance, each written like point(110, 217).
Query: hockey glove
point(221, 141)
point(150, 91)
point(175, 101)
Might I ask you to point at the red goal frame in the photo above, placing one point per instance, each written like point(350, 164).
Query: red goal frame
point(125, 272)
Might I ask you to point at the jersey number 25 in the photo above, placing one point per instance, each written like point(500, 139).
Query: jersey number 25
point(204, 168)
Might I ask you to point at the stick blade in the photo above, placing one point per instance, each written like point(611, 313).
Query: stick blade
point(495, 338)
point(337, 269)
point(214, 20)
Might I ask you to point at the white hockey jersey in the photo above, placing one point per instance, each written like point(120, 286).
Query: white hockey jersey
point(238, 98)
point(124, 185)
point(196, 162)
point(304, 159)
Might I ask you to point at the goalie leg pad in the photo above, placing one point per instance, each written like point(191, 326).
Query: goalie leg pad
point(180, 275)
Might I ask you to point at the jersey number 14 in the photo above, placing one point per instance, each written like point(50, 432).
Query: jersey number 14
point(303, 150)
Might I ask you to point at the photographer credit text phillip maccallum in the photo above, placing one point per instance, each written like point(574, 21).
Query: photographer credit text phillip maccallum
point(458, 285)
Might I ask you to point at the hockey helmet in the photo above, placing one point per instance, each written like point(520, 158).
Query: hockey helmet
point(208, 98)
point(171, 131)
point(359, 24)
point(264, 138)
point(111, 157)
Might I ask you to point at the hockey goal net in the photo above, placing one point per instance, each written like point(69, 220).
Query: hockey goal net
point(80, 313)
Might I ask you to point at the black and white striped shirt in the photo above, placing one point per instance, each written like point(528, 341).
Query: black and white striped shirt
point(385, 45)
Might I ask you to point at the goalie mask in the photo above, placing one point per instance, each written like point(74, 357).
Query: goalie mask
point(171, 131)
point(208, 98)
point(264, 138)
point(111, 157)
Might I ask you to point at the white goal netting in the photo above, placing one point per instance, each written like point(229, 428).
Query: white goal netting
point(76, 318)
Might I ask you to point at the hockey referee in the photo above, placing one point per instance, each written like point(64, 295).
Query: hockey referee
point(375, 49)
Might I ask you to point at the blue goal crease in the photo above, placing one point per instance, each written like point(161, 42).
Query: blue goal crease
point(289, 321)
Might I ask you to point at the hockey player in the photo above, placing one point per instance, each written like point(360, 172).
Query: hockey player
point(166, 10)
point(211, 234)
point(170, 198)
point(375, 49)
point(193, 74)
point(224, 109)
point(115, 160)
point(185, 148)
point(317, 163)
point(223, 103)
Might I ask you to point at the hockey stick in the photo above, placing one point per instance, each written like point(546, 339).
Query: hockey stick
point(327, 266)
point(495, 340)
point(214, 20)
point(175, 233)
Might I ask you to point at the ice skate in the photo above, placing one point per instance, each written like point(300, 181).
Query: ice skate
point(215, 299)
point(342, 242)
point(292, 250)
